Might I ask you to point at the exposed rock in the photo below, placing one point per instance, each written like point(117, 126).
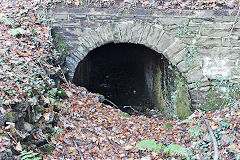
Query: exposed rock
point(27, 127)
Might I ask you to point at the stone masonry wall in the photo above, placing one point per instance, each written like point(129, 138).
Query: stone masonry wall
point(196, 42)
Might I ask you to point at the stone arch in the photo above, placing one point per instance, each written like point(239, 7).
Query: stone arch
point(151, 35)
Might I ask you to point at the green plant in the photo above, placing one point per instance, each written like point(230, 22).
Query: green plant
point(183, 31)
point(219, 99)
point(30, 155)
point(192, 55)
point(172, 149)
point(5, 20)
point(168, 126)
point(17, 31)
point(150, 145)
point(54, 132)
point(175, 149)
point(124, 114)
point(61, 47)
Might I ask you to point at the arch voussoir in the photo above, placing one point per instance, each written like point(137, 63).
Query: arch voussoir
point(85, 43)
point(116, 32)
point(177, 58)
point(136, 32)
point(144, 35)
point(105, 33)
point(164, 42)
point(97, 40)
point(153, 36)
point(173, 49)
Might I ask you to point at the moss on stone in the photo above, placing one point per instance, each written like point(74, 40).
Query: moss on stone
point(217, 99)
point(183, 104)
point(47, 148)
point(12, 116)
point(159, 100)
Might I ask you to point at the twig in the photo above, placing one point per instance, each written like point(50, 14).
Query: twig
point(214, 141)
point(234, 24)
point(136, 111)
point(78, 150)
point(111, 103)
point(12, 137)
point(64, 77)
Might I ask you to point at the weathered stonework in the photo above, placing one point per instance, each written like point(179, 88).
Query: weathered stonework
point(166, 31)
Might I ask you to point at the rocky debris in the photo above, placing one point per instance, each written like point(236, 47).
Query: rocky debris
point(5, 147)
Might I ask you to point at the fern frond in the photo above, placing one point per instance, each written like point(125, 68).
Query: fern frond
point(29, 155)
point(150, 145)
point(175, 149)
point(147, 144)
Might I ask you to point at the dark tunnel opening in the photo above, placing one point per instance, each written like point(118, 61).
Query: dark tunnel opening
point(126, 74)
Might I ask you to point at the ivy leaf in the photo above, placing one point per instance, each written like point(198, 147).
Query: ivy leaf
point(18, 31)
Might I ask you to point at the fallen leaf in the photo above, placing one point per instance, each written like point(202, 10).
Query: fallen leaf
point(18, 147)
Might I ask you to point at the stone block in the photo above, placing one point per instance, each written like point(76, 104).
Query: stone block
point(194, 75)
point(82, 50)
point(224, 19)
point(129, 31)
point(230, 63)
point(124, 28)
point(116, 32)
point(173, 20)
point(164, 42)
point(214, 33)
point(205, 14)
point(230, 42)
point(198, 84)
point(183, 66)
point(137, 31)
point(197, 20)
point(77, 17)
point(105, 32)
point(153, 36)
point(94, 38)
point(208, 52)
point(72, 61)
point(228, 26)
point(174, 48)
point(179, 56)
point(60, 10)
point(85, 43)
point(143, 38)
point(209, 42)
point(234, 56)
point(60, 16)
point(211, 25)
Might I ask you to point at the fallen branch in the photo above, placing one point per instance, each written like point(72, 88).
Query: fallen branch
point(64, 77)
point(111, 103)
point(77, 148)
point(214, 141)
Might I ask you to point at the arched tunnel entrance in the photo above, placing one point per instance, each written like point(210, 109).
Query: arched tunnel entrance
point(129, 75)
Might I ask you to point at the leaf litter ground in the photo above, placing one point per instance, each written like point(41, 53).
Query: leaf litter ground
point(93, 130)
